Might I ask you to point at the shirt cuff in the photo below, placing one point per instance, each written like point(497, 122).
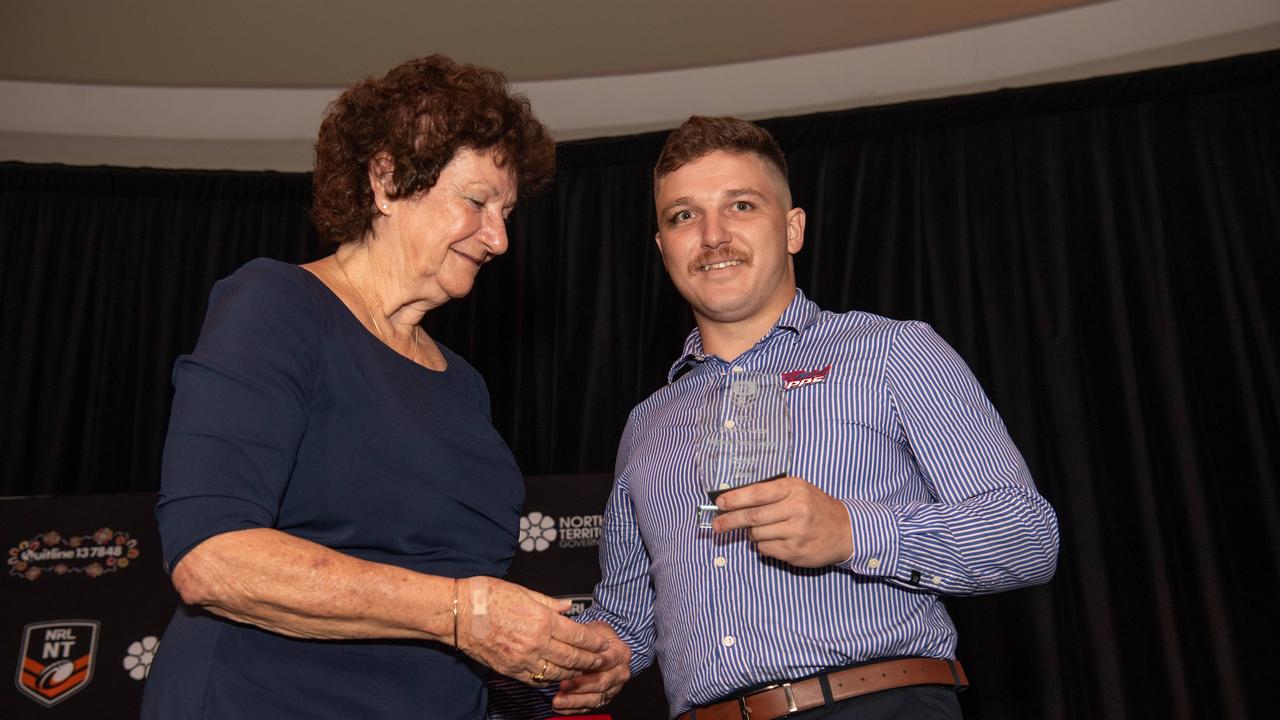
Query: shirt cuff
point(876, 539)
point(921, 565)
point(639, 661)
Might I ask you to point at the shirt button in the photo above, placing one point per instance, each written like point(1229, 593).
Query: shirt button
point(937, 580)
point(721, 562)
point(728, 424)
point(873, 563)
point(724, 486)
point(739, 369)
point(727, 641)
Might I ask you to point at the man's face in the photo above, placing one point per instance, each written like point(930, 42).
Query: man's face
point(726, 231)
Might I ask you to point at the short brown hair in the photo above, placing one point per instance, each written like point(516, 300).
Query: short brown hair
point(700, 135)
point(420, 114)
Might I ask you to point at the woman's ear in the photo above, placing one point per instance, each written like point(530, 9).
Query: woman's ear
point(381, 180)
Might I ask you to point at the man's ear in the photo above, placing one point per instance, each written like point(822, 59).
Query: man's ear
point(657, 240)
point(381, 174)
point(795, 230)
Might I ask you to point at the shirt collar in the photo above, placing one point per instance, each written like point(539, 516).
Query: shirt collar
point(796, 318)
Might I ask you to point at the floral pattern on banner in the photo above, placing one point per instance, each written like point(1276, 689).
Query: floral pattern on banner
point(141, 653)
point(104, 551)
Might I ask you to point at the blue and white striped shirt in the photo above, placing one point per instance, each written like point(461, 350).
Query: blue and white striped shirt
point(940, 500)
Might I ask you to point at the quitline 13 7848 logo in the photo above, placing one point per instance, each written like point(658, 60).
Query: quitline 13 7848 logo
point(101, 552)
point(56, 660)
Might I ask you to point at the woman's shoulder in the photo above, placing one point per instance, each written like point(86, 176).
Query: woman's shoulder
point(268, 273)
point(463, 372)
point(263, 294)
point(267, 285)
point(457, 364)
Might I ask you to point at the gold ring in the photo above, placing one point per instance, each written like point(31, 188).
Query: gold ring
point(541, 675)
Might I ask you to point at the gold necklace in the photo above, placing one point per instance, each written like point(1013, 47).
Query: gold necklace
point(413, 337)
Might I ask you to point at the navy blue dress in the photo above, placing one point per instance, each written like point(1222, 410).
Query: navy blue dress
point(291, 415)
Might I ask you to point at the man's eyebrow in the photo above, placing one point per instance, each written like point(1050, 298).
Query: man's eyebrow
point(685, 200)
point(730, 194)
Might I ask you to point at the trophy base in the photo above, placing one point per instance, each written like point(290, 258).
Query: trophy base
point(707, 513)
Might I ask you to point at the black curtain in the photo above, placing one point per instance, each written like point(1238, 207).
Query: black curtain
point(1103, 253)
point(105, 276)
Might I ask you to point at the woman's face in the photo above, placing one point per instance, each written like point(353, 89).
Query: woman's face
point(439, 240)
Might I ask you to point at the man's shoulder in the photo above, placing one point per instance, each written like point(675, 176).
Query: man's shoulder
point(660, 400)
point(858, 324)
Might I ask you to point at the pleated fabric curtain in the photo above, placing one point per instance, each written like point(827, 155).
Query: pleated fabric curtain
point(105, 274)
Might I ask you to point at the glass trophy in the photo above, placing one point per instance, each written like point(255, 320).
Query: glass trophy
point(745, 437)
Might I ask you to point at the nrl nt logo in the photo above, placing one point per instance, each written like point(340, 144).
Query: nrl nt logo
point(56, 660)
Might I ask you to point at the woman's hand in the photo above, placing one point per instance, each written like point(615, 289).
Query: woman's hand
point(522, 634)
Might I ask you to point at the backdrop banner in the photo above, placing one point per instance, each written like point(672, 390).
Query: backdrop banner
point(86, 598)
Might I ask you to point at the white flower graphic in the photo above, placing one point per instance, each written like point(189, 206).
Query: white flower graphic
point(537, 531)
point(141, 653)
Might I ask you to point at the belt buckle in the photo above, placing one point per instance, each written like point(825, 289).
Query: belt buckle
point(786, 690)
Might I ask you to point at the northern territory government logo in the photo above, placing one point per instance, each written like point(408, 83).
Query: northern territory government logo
point(99, 553)
point(56, 661)
point(539, 531)
point(800, 378)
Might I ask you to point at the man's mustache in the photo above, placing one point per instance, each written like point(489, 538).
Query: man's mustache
point(718, 256)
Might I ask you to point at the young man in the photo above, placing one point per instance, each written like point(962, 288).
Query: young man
point(903, 485)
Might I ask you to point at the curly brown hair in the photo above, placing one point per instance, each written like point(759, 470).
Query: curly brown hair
point(701, 135)
point(420, 114)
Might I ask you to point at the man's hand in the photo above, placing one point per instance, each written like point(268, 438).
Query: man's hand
point(595, 689)
point(789, 519)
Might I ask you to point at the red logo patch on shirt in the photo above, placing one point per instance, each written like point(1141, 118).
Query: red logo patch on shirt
point(800, 378)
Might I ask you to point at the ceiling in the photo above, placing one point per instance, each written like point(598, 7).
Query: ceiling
point(328, 43)
point(242, 84)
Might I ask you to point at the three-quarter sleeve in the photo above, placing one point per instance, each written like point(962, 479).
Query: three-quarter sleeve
point(240, 408)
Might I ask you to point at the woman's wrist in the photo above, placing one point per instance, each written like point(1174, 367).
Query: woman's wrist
point(463, 613)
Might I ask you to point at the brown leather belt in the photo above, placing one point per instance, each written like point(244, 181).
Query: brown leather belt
point(783, 699)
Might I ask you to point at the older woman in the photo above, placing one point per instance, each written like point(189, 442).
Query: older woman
point(336, 504)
